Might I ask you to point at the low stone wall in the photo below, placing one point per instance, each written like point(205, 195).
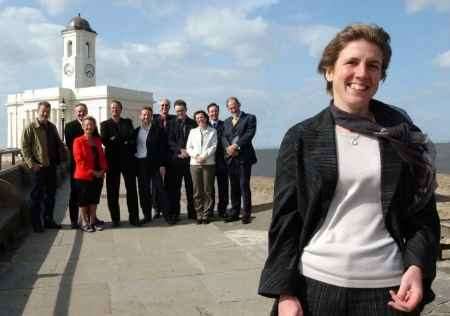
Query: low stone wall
point(15, 185)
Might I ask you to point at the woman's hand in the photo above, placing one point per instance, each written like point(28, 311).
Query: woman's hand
point(410, 293)
point(289, 306)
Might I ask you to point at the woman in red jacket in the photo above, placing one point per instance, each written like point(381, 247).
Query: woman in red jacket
point(90, 167)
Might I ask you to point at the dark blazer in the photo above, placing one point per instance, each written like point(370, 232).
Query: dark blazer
point(156, 146)
point(118, 141)
point(242, 134)
point(305, 182)
point(178, 137)
point(220, 151)
point(170, 118)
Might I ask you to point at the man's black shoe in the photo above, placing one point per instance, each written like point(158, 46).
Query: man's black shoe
point(74, 226)
point(199, 221)
point(52, 225)
point(99, 222)
point(246, 220)
point(157, 215)
point(38, 230)
point(229, 219)
point(116, 224)
point(135, 223)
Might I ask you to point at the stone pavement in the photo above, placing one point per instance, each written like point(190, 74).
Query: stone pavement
point(186, 269)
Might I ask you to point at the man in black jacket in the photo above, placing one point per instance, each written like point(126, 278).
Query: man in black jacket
point(163, 119)
point(179, 163)
point(221, 167)
point(238, 133)
point(151, 155)
point(117, 137)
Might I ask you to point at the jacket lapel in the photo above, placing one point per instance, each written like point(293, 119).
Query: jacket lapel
point(319, 151)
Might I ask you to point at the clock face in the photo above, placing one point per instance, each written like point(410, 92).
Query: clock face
point(68, 69)
point(89, 70)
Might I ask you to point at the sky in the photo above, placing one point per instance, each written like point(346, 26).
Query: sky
point(265, 52)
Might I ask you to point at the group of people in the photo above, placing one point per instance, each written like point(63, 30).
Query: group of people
point(153, 159)
point(354, 230)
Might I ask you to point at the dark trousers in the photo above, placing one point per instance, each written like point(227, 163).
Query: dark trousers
point(322, 299)
point(73, 200)
point(149, 181)
point(43, 190)
point(178, 171)
point(222, 188)
point(239, 175)
point(159, 194)
point(113, 189)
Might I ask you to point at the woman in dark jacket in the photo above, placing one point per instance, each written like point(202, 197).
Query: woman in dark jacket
point(90, 168)
point(355, 229)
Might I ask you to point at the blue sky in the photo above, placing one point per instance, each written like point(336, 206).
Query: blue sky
point(265, 52)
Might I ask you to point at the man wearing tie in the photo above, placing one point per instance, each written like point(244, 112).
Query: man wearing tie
point(221, 167)
point(179, 163)
point(238, 133)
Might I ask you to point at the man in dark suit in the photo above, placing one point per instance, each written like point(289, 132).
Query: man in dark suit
point(117, 137)
point(221, 167)
point(179, 163)
point(163, 119)
point(73, 130)
point(151, 155)
point(238, 133)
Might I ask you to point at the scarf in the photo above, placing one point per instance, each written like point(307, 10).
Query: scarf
point(412, 146)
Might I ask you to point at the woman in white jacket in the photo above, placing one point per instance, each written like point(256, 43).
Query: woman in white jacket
point(201, 146)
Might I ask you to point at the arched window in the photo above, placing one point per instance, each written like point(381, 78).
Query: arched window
point(69, 48)
point(88, 49)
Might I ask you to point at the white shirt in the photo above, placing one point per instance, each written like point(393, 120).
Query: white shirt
point(203, 143)
point(353, 248)
point(141, 148)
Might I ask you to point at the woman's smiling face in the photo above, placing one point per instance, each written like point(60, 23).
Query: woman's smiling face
point(356, 76)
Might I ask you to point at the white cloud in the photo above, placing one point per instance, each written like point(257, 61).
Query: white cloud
point(28, 52)
point(231, 32)
point(413, 6)
point(55, 7)
point(443, 60)
point(315, 37)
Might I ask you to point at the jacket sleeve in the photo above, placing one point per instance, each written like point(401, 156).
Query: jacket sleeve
point(102, 156)
point(174, 150)
point(190, 147)
point(79, 155)
point(422, 242)
point(212, 146)
point(249, 133)
point(104, 134)
point(27, 147)
point(280, 274)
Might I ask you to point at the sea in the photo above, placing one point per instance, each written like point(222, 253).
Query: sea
point(267, 158)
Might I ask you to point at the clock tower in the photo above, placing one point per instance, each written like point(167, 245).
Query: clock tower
point(78, 62)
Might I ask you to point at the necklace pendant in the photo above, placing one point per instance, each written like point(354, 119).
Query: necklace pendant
point(355, 141)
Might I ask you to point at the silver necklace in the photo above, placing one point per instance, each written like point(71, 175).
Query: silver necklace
point(355, 140)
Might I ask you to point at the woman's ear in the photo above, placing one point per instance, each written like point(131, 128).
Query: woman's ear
point(329, 75)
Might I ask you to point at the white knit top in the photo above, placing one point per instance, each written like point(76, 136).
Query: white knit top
point(353, 248)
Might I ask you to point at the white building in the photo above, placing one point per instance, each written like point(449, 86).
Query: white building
point(78, 74)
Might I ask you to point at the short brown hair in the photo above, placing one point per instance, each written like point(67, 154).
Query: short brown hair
point(90, 118)
point(83, 105)
point(233, 99)
point(44, 104)
point(371, 33)
point(180, 102)
point(118, 103)
point(147, 108)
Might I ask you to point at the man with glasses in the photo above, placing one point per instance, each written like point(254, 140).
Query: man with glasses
point(163, 119)
point(179, 163)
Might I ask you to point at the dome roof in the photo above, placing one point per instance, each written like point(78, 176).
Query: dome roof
point(78, 23)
